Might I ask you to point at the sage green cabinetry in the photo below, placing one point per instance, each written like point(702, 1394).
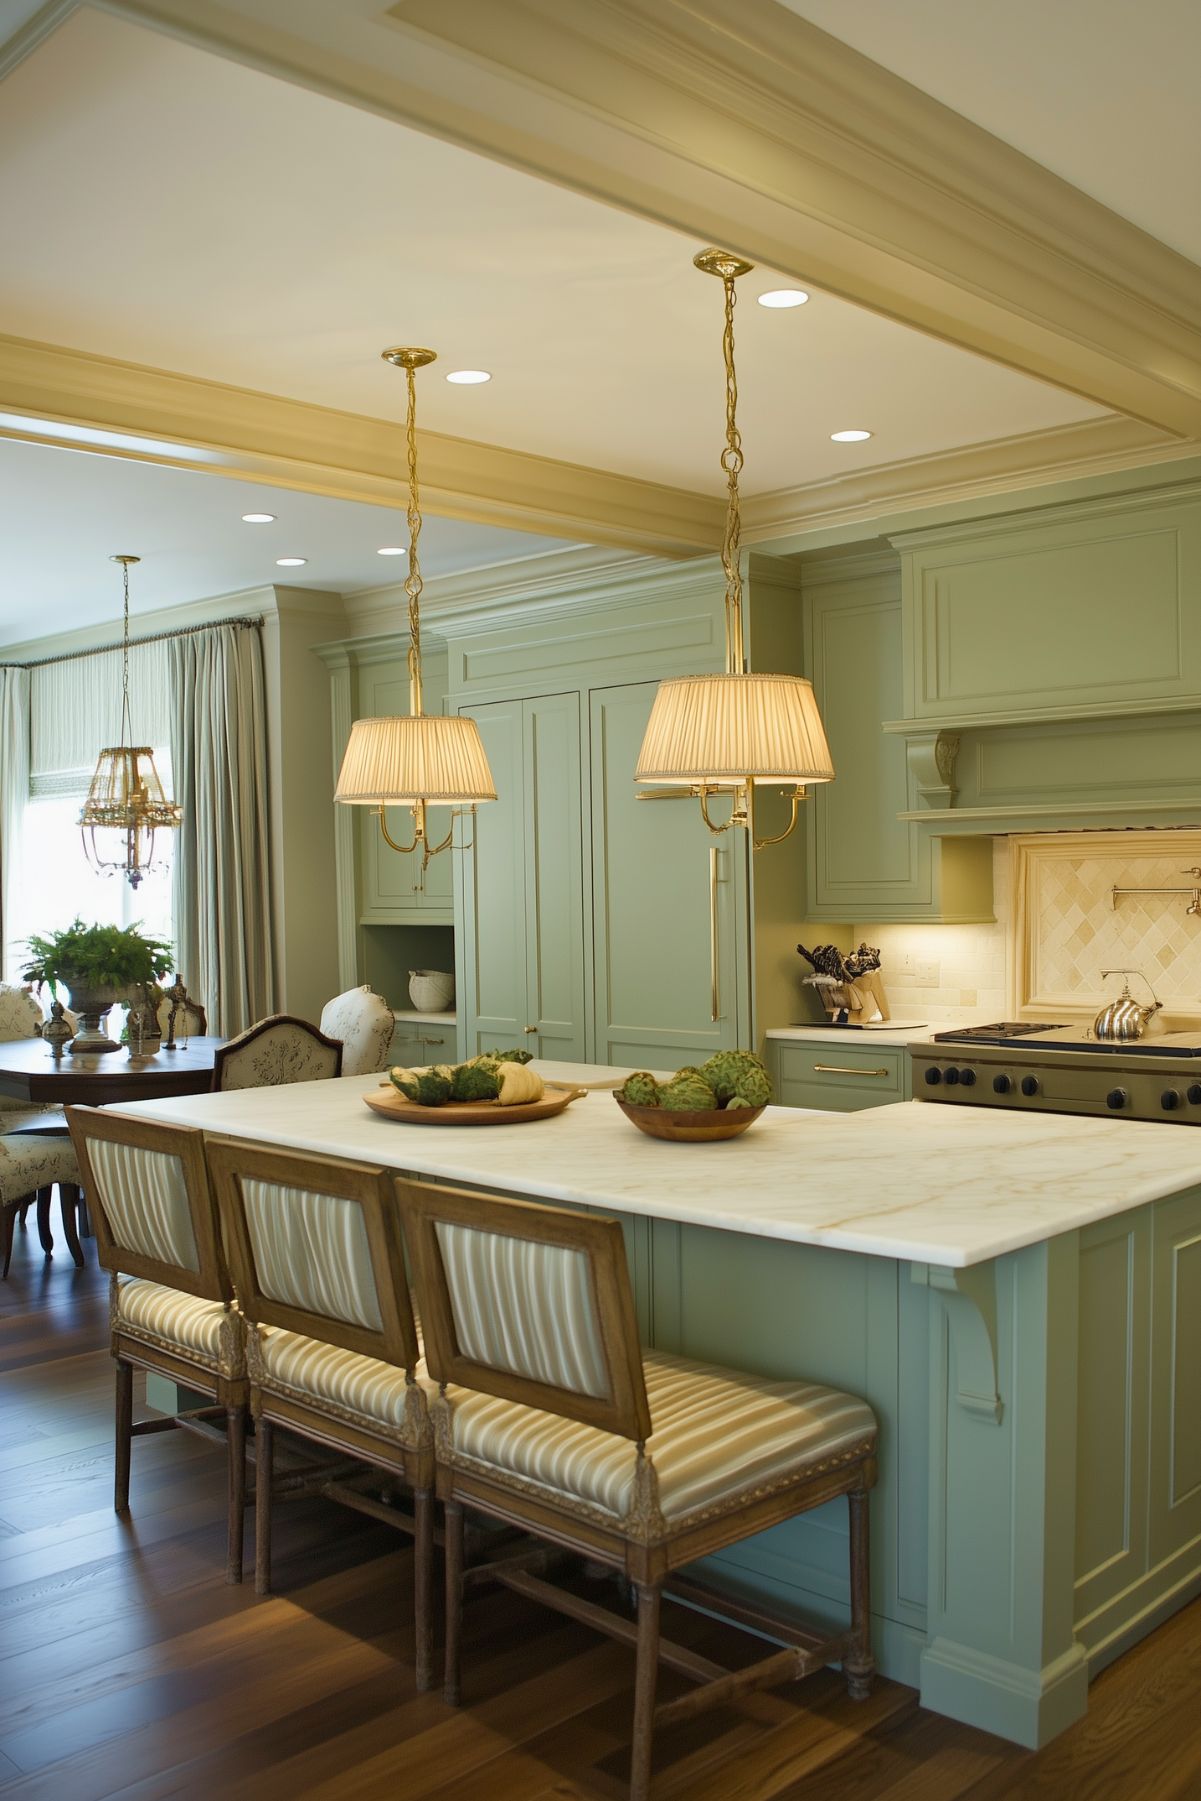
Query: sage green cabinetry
point(866, 859)
point(415, 1044)
point(522, 949)
point(837, 1077)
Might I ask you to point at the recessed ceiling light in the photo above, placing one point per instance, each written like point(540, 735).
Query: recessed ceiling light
point(392, 550)
point(290, 562)
point(849, 437)
point(783, 297)
point(258, 518)
point(468, 378)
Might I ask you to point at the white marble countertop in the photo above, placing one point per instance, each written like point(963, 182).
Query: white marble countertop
point(886, 1034)
point(929, 1184)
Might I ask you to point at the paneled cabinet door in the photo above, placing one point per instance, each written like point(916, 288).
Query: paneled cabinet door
point(521, 938)
point(396, 890)
point(668, 976)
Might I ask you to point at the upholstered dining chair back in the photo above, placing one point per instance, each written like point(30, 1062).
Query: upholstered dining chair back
point(529, 1303)
point(364, 1022)
point(277, 1050)
point(20, 1015)
point(151, 1203)
point(316, 1248)
point(191, 1020)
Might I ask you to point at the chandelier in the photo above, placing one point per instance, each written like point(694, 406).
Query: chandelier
point(126, 796)
point(731, 733)
point(421, 759)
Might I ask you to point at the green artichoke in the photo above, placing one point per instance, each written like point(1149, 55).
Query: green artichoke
point(506, 1057)
point(687, 1093)
point(738, 1072)
point(641, 1090)
point(475, 1081)
point(428, 1087)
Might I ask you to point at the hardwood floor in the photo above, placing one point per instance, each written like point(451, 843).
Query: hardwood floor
point(128, 1668)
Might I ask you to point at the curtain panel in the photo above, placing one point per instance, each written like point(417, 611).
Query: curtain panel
point(14, 793)
point(222, 880)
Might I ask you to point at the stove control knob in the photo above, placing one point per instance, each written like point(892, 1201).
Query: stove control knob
point(1002, 1084)
point(968, 1077)
point(951, 1077)
point(1169, 1100)
point(933, 1076)
point(1116, 1099)
point(1029, 1084)
point(1194, 1095)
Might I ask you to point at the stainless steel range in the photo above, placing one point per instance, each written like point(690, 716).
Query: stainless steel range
point(1062, 1069)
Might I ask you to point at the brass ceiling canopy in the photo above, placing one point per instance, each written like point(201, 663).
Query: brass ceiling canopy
point(126, 796)
point(725, 734)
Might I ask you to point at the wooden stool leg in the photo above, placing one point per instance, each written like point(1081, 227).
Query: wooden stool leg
point(235, 1450)
point(263, 1459)
point(124, 1435)
point(645, 1676)
point(860, 1666)
point(24, 1212)
point(453, 1527)
point(69, 1197)
point(10, 1218)
point(45, 1235)
point(423, 1571)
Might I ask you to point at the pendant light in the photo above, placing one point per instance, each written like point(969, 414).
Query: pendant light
point(729, 733)
point(421, 759)
point(126, 795)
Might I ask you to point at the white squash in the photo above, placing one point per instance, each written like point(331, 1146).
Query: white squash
point(518, 1083)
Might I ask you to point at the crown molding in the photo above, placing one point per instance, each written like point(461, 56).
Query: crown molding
point(246, 602)
point(519, 580)
point(974, 472)
point(740, 123)
point(53, 395)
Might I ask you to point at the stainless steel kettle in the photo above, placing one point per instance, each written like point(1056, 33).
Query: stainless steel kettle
point(1121, 1020)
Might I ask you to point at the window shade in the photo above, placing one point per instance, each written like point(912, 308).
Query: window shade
point(76, 712)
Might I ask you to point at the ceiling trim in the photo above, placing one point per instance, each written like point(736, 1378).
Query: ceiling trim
point(741, 123)
point(1000, 466)
point(152, 415)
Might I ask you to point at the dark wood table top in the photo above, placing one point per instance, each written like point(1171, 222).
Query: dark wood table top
point(29, 1073)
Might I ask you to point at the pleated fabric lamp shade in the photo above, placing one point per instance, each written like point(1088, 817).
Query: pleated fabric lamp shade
point(402, 761)
point(729, 730)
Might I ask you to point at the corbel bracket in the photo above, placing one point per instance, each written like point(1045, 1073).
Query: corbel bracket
point(969, 1299)
point(932, 757)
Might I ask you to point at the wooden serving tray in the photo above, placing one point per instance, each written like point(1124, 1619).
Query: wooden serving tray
point(394, 1105)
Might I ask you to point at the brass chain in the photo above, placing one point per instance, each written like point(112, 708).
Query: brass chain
point(413, 583)
point(731, 462)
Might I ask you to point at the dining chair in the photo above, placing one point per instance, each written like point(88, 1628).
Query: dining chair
point(277, 1050)
point(365, 1023)
point(21, 1017)
point(550, 1417)
point(192, 1023)
point(171, 1305)
point(333, 1351)
point(31, 1165)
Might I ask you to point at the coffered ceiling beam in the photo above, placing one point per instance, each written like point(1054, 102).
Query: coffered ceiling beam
point(51, 395)
point(737, 122)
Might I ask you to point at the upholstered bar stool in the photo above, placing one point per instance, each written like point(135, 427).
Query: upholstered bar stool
point(551, 1418)
point(171, 1302)
point(30, 1166)
point(318, 1262)
point(276, 1050)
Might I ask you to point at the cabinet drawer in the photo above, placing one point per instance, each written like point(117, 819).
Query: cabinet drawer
point(839, 1077)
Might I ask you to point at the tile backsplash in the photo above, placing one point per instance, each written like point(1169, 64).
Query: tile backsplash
point(1055, 931)
point(971, 960)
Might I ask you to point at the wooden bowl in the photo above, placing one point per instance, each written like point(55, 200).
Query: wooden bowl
point(697, 1126)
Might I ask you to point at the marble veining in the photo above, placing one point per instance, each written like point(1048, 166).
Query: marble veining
point(930, 1184)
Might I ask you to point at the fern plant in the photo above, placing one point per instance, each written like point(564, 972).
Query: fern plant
point(96, 957)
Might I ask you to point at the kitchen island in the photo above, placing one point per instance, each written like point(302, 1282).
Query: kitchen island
point(1018, 1296)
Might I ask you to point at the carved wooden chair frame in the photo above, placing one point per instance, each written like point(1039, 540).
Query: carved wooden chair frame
point(648, 1550)
point(233, 1047)
point(405, 1454)
point(164, 1357)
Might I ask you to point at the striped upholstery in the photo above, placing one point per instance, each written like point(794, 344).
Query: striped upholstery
point(524, 1307)
point(330, 1376)
point(311, 1251)
point(145, 1199)
point(186, 1320)
point(717, 1434)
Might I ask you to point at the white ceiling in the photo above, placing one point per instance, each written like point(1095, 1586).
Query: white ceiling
point(162, 205)
point(1102, 92)
point(63, 513)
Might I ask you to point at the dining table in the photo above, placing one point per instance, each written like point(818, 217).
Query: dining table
point(32, 1073)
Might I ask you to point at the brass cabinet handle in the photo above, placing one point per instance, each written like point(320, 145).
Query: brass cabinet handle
point(714, 989)
point(529, 1028)
point(842, 1069)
